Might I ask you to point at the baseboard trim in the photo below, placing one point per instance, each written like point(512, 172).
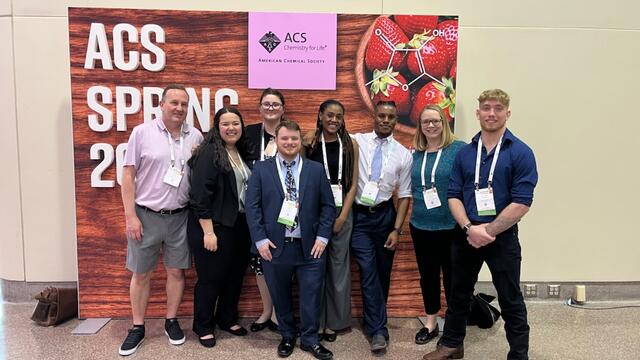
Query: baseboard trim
point(595, 291)
point(24, 291)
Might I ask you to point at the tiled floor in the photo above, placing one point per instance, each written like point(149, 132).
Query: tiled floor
point(557, 332)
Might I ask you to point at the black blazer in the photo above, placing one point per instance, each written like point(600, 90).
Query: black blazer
point(253, 133)
point(214, 194)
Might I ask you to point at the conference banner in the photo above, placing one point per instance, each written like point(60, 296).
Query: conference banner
point(121, 59)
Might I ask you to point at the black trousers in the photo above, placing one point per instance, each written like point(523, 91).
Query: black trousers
point(433, 254)
point(503, 258)
point(220, 274)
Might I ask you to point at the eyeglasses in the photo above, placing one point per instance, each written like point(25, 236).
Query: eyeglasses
point(433, 122)
point(274, 106)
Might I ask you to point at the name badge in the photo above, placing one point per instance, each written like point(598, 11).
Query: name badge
point(369, 193)
point(173, 176)
point(484, 202)
point(431, 199)
point(337, 194)
point(288, 212)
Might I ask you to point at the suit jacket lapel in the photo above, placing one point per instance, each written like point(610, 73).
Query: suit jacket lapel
point(231, 176)
point(276, 176)
point(303, 182)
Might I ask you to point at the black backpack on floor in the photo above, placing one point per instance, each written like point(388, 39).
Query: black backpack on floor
point(482, 313)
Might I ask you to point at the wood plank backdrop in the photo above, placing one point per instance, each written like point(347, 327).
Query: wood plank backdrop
point(203, 50)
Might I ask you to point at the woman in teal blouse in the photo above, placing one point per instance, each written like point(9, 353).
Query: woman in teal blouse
point(432, 226)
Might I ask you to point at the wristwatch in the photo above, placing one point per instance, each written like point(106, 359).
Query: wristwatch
point(466, 227)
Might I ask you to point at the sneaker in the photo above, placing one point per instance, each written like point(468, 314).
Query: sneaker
point(378, 344)
point(135, 337)
point(174, 332)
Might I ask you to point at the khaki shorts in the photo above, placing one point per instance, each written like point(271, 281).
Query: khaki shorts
point(161, 232)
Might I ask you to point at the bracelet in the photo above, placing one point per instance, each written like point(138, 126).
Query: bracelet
point(398, 230)
point(209, 233)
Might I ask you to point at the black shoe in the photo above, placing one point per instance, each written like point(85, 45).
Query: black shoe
point(237, 332)
point(318, 351)
point(273, 326)
point(330, 337)
point(135, 337)
point(286, 346)
point(256, 326)
point(208, 343)
point(424, 335)
point(174, 332)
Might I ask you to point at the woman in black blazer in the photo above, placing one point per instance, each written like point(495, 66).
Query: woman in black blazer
point(217, 230)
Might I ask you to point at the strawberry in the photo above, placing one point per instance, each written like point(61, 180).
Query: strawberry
point(438, 94)
point(388, 87)
point(448, 34)
point(435, 60)
point(454, 69)
point(416, 24)
point(378, 50)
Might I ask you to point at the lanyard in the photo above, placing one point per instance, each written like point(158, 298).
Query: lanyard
point(433, 171)
point(240, 167)
point(493, 163)
point(282, 178)
point(173, 155)
point(326, 162)
point(385, 159)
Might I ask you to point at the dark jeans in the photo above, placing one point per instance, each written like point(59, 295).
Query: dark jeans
point(220, 274)
point(503, 259)
point(433, 253)
point(370, 232)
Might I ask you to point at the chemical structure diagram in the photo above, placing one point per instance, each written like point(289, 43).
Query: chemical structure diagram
point(409, 52)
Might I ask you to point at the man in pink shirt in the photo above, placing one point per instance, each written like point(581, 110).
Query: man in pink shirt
point(155, 194)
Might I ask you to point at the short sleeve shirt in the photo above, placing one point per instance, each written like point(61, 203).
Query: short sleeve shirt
point(148, 150)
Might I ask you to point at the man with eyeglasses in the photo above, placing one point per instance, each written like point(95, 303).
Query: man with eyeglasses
point(384, 167)
point(490, 190)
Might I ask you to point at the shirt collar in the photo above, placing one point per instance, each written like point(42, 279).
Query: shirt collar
point(160, 123)
point(283, 161)
point(382, 140)
point(508, 136)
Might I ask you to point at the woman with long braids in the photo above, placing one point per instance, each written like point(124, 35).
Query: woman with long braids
point(332, 146)
point(217, 229)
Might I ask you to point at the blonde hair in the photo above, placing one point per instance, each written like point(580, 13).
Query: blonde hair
point(495, 94)
point(420, 141)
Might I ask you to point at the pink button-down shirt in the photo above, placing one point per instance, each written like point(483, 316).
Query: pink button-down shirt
point(149, 152)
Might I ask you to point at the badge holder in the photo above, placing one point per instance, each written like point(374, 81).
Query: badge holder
point(431, 199)
point(288, 213)
point(173, 177)
point(369, 193)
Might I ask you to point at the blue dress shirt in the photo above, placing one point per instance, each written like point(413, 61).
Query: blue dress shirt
point(514, 178)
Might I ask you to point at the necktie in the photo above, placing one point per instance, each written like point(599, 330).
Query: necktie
point(376, 162)
point(292, 193)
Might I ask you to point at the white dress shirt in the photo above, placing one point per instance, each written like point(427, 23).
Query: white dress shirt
point(396, 167)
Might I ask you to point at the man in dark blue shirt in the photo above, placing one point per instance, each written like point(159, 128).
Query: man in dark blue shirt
point(490, 190)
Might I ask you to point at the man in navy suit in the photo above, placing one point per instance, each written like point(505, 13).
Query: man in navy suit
point(290, 210)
